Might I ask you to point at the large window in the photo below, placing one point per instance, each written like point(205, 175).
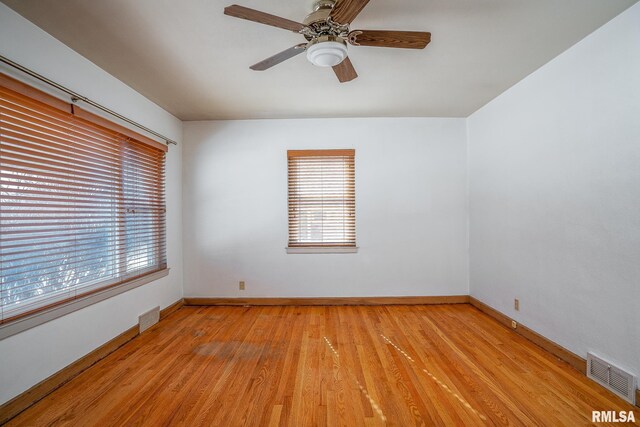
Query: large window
point(82, 202)
point(322, 207)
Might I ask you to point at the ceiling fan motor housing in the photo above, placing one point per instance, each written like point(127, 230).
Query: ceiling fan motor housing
point(318, 22)
point(321, 11)
point(323, 4)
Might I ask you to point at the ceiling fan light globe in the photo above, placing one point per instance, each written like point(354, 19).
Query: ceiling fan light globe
point(327, 54)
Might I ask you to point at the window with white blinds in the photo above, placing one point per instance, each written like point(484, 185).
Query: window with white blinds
point(322, 201)
point(82, 204)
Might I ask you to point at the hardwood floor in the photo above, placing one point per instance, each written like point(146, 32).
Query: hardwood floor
point(304, 366)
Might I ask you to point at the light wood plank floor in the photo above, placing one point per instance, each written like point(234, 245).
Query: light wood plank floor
point(304, 366)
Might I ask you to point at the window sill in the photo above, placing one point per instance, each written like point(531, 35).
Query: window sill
point(323, 250)
point(23, 323)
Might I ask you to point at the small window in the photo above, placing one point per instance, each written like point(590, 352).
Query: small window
point(322, 200)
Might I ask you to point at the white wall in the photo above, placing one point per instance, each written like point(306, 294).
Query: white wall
point(554, 171)
point(411, 215)
point(31, 356)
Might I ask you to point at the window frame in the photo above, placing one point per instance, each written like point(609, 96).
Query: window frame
point(320, 247)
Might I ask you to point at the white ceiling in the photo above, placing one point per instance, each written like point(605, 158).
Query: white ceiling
point(192, 60)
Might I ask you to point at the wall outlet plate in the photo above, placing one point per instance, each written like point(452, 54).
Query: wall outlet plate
point(241, 285)
point(516, 304)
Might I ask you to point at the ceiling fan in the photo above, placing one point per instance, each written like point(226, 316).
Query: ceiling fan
point(327, 32)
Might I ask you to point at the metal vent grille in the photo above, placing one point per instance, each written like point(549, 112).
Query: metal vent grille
point(148, 319)
point(615, 379)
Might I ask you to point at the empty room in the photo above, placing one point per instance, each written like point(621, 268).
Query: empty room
point(319, 213)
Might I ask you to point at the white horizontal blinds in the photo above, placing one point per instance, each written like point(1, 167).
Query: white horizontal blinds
point(321, 198)
point(81, 206)
point(143, 208)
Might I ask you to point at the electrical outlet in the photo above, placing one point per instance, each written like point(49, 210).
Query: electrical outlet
point(514, 324)
point(241, 285)
point(516, 304)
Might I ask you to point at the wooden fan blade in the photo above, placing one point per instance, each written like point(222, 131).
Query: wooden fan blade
point(403, 39)
point(346, 11)
point(279, 57)
point(263, 18)
point(345, 71)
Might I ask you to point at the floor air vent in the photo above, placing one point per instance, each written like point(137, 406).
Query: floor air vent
point(615, 379)
point(148, 319)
